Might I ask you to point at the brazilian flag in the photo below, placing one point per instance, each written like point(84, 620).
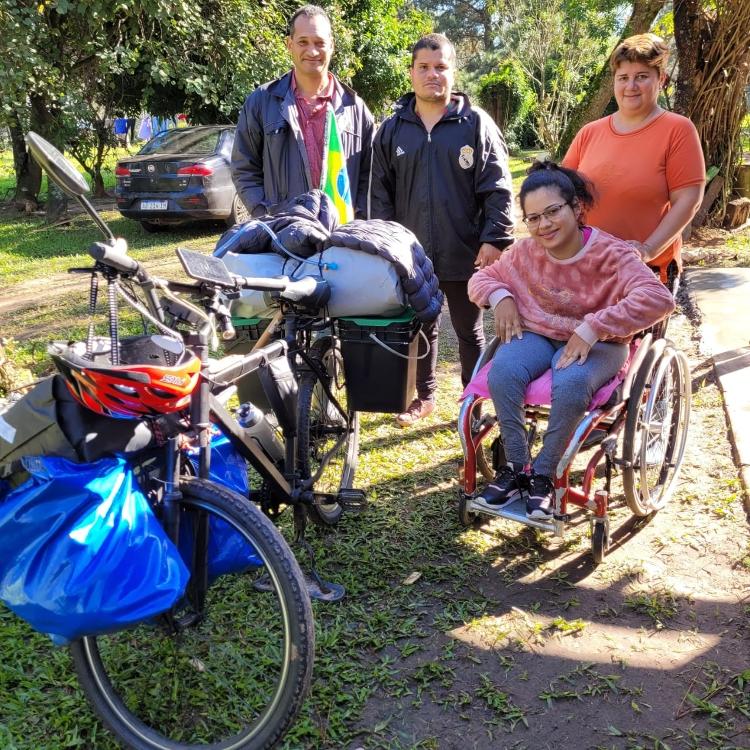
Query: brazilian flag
point(334, 177)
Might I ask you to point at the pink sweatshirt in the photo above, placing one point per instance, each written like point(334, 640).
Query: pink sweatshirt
point(604, 293)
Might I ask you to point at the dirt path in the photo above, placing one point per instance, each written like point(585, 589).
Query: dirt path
point(30, 294)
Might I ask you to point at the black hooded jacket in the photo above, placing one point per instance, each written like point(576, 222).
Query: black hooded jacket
point(451, 187)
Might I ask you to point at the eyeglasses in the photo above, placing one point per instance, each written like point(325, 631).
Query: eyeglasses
point(532, 220)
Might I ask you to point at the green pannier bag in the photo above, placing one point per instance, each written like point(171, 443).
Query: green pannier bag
point(48, 421)
point(29, 427)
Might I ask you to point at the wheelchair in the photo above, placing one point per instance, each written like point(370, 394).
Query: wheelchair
point(639, 428)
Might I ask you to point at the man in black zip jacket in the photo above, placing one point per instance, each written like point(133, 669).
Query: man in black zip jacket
point(279, 141)
point(440, 168)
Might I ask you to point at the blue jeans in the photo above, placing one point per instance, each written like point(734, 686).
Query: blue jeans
point(519, 362)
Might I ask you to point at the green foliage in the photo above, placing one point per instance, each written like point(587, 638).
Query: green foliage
point(69, 68)
point(558, 43)
point(385, 31)
point(507, 95)
point(206, 66)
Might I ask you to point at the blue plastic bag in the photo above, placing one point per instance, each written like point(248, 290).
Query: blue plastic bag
point(227, 465)
point(228, 551)
point(82, 552)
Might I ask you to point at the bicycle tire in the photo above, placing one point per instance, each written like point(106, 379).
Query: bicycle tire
point(147, 684)
point(319, 425)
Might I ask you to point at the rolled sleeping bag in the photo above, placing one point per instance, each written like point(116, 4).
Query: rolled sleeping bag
point(361, 284)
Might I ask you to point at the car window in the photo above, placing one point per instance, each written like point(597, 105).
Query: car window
point(183, 142)
point(227, 143)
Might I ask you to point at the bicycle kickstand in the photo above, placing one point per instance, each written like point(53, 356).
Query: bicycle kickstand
point(317, 588)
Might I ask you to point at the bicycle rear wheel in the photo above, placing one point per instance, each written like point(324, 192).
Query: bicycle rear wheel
point(233, 672)
point(322, 427)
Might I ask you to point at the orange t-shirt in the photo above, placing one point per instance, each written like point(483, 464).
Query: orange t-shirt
point(633, 174)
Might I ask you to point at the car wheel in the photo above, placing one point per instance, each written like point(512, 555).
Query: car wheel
point(239, 214)
point(150, 227)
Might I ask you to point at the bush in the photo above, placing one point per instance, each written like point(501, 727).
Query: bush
point(507, 95)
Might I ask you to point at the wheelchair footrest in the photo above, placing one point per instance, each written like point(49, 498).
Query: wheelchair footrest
point(516, 511)
point(352, 500)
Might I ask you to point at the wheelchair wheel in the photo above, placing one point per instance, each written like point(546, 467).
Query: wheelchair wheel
point(599, 541)
point(656, 428)
point(465, 517)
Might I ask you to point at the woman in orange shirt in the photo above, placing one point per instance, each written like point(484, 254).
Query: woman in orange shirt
point(646, 164)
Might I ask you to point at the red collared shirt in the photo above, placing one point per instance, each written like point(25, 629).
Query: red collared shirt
point(312, 120)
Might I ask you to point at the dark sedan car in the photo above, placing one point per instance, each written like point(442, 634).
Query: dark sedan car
point(178, 176)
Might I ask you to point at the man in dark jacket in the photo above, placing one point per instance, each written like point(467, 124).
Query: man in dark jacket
point(278, 146)
point(440, 168)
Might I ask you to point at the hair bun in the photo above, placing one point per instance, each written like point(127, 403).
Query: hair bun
point(542, 164)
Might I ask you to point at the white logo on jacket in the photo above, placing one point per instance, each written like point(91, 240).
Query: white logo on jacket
point(466, 157)
point(399, 151)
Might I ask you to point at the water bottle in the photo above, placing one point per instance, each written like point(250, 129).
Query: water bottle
point(257, 427)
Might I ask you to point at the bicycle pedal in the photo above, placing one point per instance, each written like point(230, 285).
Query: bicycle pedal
point(352, 500)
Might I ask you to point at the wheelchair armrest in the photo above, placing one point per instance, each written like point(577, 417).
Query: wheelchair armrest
point(635, 364)
point(487, 354)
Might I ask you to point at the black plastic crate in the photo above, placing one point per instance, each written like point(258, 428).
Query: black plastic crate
point(380, 374)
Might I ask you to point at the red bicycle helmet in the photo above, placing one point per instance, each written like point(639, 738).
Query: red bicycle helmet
point(142, 385)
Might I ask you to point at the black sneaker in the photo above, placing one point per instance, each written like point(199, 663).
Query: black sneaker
point(541, 497)
point(502, 490)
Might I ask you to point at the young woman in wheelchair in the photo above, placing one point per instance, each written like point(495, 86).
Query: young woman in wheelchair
point(569, 297)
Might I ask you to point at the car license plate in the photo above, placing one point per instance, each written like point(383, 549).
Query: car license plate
point(154, 205)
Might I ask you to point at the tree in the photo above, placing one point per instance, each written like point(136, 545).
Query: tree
point(383, 32)
point(599, 90)
point(69, 66)
point(557, 43)
point(506, 94)
point(713, 45)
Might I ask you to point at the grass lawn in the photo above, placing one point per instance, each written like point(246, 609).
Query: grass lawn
point(8, 179)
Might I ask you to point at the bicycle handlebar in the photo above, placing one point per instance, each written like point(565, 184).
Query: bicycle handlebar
point(115, 256)
point(309, 291)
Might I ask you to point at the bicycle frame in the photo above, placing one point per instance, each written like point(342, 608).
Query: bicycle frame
point(206, 408)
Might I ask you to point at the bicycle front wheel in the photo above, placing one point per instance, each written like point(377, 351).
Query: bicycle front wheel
point(328, 438)
point(231, 667)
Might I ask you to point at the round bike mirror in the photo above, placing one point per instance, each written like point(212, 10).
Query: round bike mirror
point(60, 170)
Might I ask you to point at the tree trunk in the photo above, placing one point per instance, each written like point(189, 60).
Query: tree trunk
point(714, 52)
point(689, 34)
point(600, 88)
point(98, 184)
point(44, 122)
point(102, 146)
point(28, 172)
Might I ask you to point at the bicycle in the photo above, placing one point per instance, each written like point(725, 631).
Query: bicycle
point(227, 667)
point(326, 429)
